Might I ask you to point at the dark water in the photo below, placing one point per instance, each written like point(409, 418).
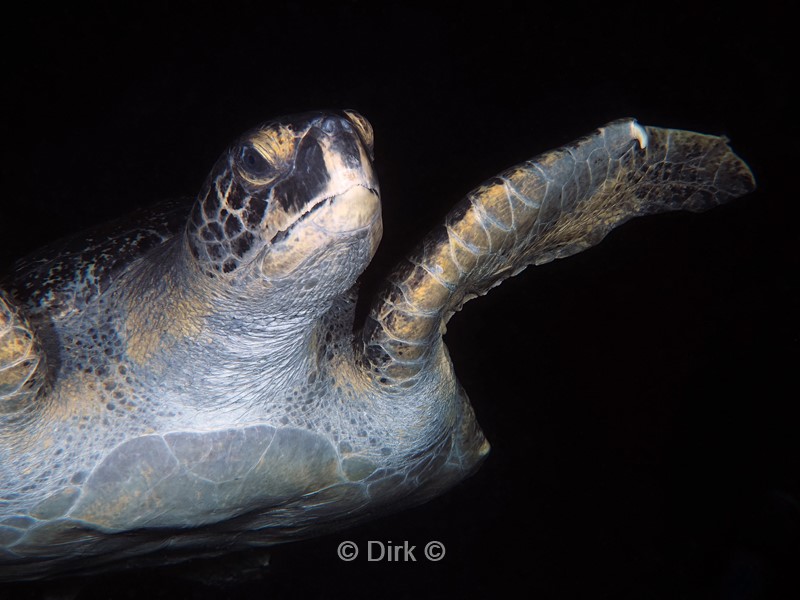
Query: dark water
point(638, 397)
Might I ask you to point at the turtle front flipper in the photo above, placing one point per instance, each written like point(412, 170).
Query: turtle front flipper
point(552, 206)
point(22, 368)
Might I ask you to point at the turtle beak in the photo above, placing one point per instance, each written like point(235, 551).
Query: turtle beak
point(353, 196)
point(331, 197)
point(330, 160)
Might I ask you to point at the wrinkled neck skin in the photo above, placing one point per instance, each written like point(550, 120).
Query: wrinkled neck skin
point(282, 353)
point(236, 344)
point(229, 343)
point(278, 352)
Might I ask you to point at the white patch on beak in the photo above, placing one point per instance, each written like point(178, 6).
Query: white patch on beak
point(355, 209)
point(347, 212)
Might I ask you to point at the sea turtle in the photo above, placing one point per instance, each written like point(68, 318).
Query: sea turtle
point(193, 381)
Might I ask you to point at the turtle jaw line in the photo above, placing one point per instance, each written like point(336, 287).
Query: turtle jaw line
point(284, 233)
point(326, 201)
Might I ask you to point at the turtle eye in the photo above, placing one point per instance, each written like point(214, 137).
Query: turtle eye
point(253, 162)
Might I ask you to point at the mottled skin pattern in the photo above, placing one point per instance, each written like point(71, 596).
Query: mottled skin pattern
point(192, 382)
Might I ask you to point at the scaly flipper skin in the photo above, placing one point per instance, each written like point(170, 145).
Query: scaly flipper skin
point(552, 206)
point(21, 364)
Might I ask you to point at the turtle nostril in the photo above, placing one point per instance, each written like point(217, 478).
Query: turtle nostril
point(334, 124)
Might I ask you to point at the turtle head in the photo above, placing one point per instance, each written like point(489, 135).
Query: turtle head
point(294, 204)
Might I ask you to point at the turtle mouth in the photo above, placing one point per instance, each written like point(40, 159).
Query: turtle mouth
point(284, 233)
point(346, 197)
point(339, 231)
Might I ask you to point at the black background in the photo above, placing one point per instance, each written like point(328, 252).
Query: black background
point(637, 396)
